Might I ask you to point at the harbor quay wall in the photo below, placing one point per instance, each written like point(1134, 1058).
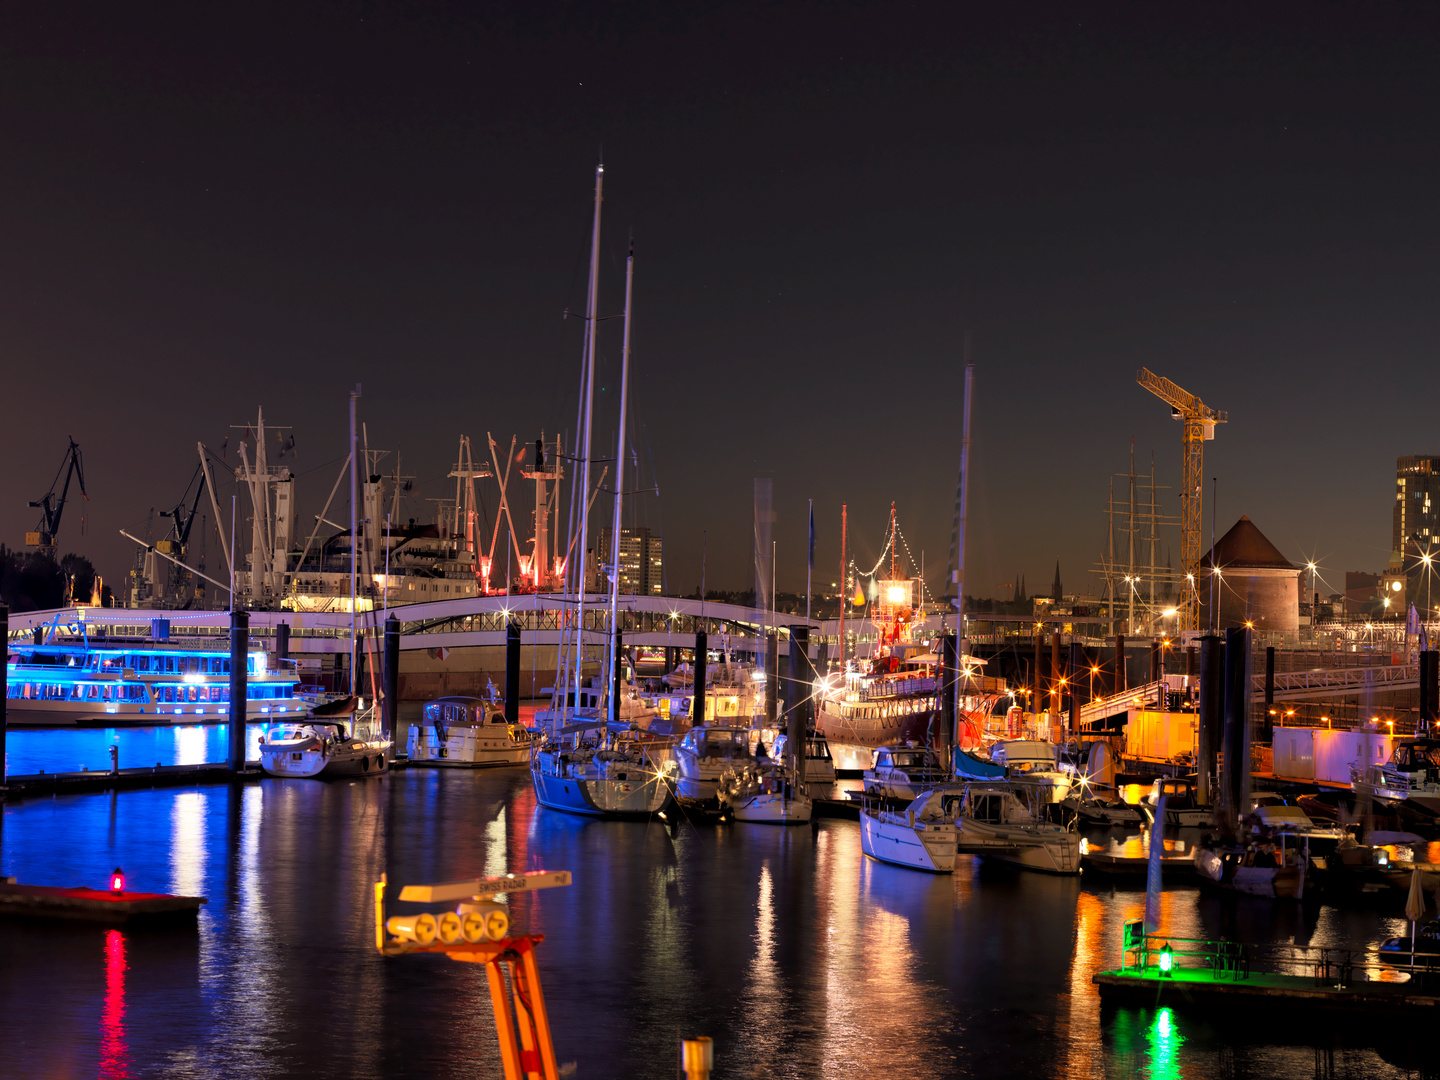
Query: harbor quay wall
point(1325, 756)
point(469, 671)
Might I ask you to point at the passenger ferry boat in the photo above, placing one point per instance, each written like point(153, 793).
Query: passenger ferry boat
point(73, 677)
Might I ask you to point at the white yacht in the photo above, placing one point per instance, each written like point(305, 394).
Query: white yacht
point(612, 777)
point(707, 753)
point(921, 836)
point(466, 732)
point(590, 704)
point(1413, 772)
point(818, 767)
point(994, 822)
point(321, 746)
point(1032, 762)
point(904, 772)
point(764, 794)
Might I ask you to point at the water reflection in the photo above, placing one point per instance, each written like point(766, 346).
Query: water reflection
point(798, 955)
point(114, 1052)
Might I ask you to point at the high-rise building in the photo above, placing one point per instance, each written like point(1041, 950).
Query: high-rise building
point(1417, 504)
point(642, 561)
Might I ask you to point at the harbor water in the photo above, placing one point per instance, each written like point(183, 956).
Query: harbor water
point(798, 955)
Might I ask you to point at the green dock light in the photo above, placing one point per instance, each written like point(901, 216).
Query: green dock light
point(1167, 961)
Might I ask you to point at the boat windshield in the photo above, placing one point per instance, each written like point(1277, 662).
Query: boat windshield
point(910, 759)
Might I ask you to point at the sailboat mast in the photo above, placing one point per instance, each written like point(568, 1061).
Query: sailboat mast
point(591, 306)
point(354, 532)
point(620, 491)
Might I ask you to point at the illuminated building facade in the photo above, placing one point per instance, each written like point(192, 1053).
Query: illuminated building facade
point(642, 560)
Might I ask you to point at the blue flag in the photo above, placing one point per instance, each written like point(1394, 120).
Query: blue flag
point(1152, 880)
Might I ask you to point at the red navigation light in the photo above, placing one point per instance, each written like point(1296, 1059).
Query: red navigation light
point(117, 881)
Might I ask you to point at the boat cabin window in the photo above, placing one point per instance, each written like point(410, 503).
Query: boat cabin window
point(1417, 756)
point(910, 759)
point(817, 748)
point(987, 808)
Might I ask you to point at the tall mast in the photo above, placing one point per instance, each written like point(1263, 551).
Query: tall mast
point(591, 305)
point(620, 488)
point(354, 532)
point(844, 586)
point(1130, 532)
point(964, 502)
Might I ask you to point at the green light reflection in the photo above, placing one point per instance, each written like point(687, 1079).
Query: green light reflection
point(1165, 1040)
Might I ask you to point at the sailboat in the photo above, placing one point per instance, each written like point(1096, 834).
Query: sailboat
point(587, 765)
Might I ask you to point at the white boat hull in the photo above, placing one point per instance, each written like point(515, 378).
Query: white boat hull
point(923, 847)
point(772, 808)
point(642, 795)
point(464, 750)
point(301, 761)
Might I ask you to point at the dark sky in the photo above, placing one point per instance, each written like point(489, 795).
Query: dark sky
point(206, 209)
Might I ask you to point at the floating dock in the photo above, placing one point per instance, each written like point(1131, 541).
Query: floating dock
point(1191, 987)
point(30, 785)
point(93, 905)
point(1102, 862)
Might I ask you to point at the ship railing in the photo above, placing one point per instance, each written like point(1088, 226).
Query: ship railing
point(897, 688)
point(1162, 955)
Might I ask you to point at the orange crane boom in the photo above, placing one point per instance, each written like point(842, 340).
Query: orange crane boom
point(1199, 420)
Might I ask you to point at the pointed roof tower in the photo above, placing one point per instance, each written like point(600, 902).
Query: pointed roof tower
point(1057, 593)
point(1245, 545)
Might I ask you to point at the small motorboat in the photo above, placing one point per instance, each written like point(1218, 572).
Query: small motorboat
point(1093, 810)
point(322, 746)
point(1259, 869)
point(1397, 950)
point(705, 754)
point(1182, 804)
point(764, 794)
point(819, 767)
point(904, 772)
point(920, 836)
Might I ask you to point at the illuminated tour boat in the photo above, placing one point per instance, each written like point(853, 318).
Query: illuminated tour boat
point(70, 677)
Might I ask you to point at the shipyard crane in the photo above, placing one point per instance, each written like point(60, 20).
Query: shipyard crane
point(1199, 420)
point(51, 506)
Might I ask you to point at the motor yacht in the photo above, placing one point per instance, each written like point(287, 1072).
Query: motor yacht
point(707, 753)
point(904, 772)
point(1032, 762)
point(466, 732)
point(322, 745)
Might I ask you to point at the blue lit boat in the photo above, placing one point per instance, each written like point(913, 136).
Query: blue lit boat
point(70, 677)
point(611, 777)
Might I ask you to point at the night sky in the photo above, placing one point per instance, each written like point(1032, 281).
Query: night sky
point(206, 209)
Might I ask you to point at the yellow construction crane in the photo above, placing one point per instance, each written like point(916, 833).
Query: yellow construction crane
point(1200, 421)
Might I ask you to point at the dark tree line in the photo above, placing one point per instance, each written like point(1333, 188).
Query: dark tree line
point(34, 580)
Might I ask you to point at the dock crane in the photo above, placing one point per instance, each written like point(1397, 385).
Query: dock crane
point(1199, 420)
point(51, 507)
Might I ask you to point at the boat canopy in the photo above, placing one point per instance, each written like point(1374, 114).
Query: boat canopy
point(972, 768)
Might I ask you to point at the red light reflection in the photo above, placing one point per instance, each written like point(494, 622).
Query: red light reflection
point(114, 1053)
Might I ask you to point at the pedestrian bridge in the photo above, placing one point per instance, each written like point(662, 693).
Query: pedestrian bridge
point(645, 621)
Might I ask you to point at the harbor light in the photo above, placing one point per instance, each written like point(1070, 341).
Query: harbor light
point(1167, 961)
point(117, 881)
